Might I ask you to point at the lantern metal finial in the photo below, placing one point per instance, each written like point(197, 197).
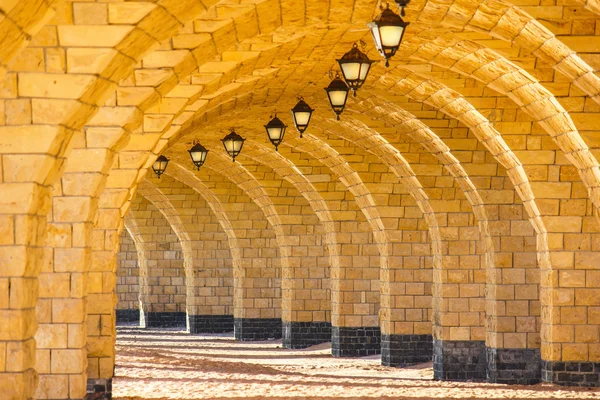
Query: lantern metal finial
point(276, 130)
point(233, 143)
point(160, 165)
point(337, 93)
point(301, 113)
point(355, 66)
point(198, 154)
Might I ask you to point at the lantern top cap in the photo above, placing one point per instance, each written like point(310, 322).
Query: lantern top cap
point(232, 136)
point(197, 148)
point(389, 17)
point(162, 158)
point(355, 55)
point(275, 123)
point(337, 84)
point(302, 106)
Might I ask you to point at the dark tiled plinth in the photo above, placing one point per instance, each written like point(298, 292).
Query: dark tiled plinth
point(355, 342)
point(300, 335)
point(165, 319)
point(210, 323)
point(99, 389)
point(514, 366)
point(405, 350)
point(248, 329)
point(571, 373)
point(458, 360)
point(128, 317)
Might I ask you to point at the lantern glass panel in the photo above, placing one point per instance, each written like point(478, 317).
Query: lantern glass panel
point(338, 97)
point(351, 70)
point(160, 165)
point(391, 35)
point(364, 71)
point(376, 35)
point(275, 133)
point(302, 117)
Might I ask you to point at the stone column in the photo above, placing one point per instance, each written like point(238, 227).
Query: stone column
point(355, 290)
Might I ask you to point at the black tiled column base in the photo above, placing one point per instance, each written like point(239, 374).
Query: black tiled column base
point(165, 319)
point(210, 323)
point(300, 335)
point(248, 329)
point(355, 342)
point(514, 366)
point(405, 350)
point(99, 389)
point(128, 317)
point(571, 373)
point(458, 360)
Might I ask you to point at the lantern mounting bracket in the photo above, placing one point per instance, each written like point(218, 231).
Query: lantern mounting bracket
point(402, 4)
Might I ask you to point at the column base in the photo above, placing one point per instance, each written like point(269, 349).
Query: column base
point(355, 342)
point(128, 317)
point(406, 350)
point(210, 323)
point(165, 319)
point(571, 373)
point(459, 360)
point(300, 335)
point(514, 366)
point(99, 389)
point(254, 329)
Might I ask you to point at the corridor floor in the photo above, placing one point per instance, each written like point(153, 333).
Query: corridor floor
point(169, 364)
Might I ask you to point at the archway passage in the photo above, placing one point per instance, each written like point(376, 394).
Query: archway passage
point(128, 282)
point(450, 215)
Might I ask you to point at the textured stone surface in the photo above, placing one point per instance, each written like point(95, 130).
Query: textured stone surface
point(459, 360)
point(355, 342)
point(165, 319)
point(406, 350)
point(514, 366)
point(98, 389)
point(571, 373)
point(128, 317)
point(300, 335)
point(210, 323)
point(249, 329)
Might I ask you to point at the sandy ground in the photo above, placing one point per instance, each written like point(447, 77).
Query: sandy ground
point(175, 365)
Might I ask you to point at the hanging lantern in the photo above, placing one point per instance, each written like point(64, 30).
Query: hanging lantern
point(233, 144)
point(301, 114)
point(337, 92)
point(276, 130)
point(198, 154)
point(387, 30)
point(355, 66)
point(160, 165)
